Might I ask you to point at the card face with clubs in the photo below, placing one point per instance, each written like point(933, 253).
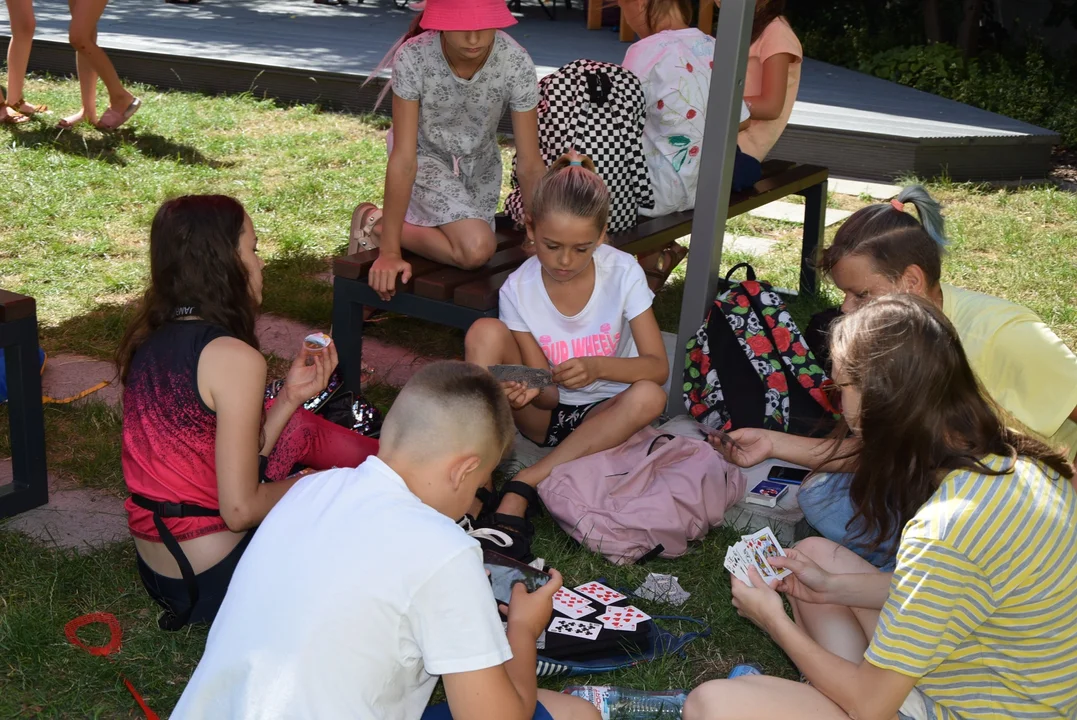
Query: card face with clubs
point(622, 618)
point(532, 378)
point(571, 604)
point(734, 564)
point(575, 628)
point(597, 591)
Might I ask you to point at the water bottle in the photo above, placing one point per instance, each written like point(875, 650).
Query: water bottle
point(742, 670)
point(617, 703)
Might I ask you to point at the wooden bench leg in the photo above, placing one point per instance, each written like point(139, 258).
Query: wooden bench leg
point(348, 336)
point(594, 14)
point(814, 227)
point(30, 486)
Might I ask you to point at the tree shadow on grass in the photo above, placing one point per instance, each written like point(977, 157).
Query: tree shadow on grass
point(81, 142)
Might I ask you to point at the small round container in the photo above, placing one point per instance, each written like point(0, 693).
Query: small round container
point(315, 343)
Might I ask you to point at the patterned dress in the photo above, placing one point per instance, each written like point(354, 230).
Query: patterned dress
point(459, 162)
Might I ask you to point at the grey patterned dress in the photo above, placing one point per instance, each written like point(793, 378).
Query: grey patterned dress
point(459, 163)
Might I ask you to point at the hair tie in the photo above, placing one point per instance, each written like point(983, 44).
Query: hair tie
point(575, 162)
point(897, 205)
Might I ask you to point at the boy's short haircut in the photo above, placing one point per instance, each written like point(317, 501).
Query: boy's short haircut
point(450, 405)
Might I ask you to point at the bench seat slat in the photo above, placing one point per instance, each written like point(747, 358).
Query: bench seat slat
point(440, 285)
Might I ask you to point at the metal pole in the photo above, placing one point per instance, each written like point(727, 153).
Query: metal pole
point(715, 178)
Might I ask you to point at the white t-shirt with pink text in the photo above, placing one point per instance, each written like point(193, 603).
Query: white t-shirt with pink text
point(601, 329)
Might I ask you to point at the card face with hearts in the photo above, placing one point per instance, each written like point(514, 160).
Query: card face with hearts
point(575, 628)
point(572, 604)
point(623, 618)
point(533, 378)
point(597, 591)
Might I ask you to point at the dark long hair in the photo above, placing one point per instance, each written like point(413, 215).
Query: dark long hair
point(194, 261)
point(892, 238)
point(922, 412)
point(766, 12)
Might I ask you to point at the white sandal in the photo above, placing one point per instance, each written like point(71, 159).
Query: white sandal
point(361, 236)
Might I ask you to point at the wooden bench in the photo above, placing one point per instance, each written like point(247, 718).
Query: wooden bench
point(457, 298)
point(18, 337)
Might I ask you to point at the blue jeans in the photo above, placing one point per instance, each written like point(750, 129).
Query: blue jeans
point(441, 712)
point(827, 508)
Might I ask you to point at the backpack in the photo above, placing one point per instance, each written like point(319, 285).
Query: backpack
point(598, 109)
point(650, 496)
point(748, 365)
point(3, 372)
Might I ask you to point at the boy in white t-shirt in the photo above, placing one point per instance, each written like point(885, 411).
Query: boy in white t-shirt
point(581, 309)
point(359, 589)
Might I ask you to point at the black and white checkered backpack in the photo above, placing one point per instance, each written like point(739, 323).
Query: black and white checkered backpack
point(598, 109)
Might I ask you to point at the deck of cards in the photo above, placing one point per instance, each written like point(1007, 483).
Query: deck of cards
point(585, 601)
point(529, 377)
point(755, 550)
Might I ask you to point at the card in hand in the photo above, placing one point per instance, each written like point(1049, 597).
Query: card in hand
point(532, 378)
point(597, 591)
point(575, 628)
point(763, 546)
point(571, 604)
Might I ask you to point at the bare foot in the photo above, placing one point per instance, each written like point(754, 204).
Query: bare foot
point(28, 109)
point(72, 120)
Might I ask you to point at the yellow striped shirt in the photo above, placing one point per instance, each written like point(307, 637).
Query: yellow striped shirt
point(983, 605)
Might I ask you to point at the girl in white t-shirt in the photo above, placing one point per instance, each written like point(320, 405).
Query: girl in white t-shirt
point(581, 309)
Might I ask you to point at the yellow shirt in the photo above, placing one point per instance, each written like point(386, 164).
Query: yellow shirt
point(1023, 365)
point(982, 604)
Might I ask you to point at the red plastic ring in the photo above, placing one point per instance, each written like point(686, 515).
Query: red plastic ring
point(115, 633)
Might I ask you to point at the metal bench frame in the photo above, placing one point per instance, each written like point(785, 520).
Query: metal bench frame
point(18, 338)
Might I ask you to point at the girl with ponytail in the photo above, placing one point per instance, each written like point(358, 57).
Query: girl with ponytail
point(581, 310)
point(1024, 368)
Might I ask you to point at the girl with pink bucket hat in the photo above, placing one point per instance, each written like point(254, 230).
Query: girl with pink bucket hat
point(454, 73)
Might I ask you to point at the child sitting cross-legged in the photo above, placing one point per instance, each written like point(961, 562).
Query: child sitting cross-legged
point(359, 589)
point(582, 309)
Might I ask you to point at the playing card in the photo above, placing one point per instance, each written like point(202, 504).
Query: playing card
point(762, 546)
point(575, 628)
point(571, 604)
point(734, 566)
point(533, 378)
point(597, 591)
point(622, 618)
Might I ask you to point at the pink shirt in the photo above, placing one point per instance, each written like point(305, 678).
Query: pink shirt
point(776, 38)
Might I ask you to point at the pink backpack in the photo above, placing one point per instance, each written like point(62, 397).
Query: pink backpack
point(650, 496)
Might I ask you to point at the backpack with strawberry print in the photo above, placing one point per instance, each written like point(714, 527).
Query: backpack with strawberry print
point(748, 366)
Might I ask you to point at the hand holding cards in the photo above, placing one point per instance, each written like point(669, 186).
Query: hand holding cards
point(755, 550)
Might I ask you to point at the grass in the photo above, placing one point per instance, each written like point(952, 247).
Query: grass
point(76, 208)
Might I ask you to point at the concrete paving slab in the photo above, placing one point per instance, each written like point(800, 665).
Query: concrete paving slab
point(856, 188)
point(794, 213)
point(67, 376)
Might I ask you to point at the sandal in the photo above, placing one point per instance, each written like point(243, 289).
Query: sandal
point(667, 259)
point(528, 493)
point(361, 236)
point(24, 108)
point(126, 115)
point(507, 535)
point(13, 117)
point(489, 499)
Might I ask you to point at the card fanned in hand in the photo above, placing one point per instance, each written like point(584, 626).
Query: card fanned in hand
point(755, 550)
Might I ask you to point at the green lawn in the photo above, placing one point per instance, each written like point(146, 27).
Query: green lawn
point(74, 212)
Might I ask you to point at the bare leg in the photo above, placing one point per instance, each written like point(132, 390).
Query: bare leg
point(83, 37)
point(841, 630)
point(23, 25)
point(759, 697)
point(465, 244)
point(567, 707)
point(87, 84)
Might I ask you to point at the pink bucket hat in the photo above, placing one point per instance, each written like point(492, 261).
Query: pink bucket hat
point(466, 15)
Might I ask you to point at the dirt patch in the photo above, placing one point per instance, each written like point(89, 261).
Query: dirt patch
point(1064, 166)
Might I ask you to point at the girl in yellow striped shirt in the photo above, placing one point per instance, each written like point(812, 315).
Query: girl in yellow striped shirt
point(976, 621)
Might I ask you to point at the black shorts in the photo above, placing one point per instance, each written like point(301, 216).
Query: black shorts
point(564, 419)
point(171, 593)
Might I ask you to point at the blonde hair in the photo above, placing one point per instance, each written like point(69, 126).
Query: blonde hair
point(572, 186)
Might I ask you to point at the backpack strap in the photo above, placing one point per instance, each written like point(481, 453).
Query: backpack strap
point(750, 275)
point(665, 436)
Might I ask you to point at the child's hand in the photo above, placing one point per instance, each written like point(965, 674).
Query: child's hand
point(519, 395)
point(382, 274)
point(531, 611)
point(304, 380)
point(576, 373)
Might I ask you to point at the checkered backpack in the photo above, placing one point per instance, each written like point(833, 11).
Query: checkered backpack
point(598, 109)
